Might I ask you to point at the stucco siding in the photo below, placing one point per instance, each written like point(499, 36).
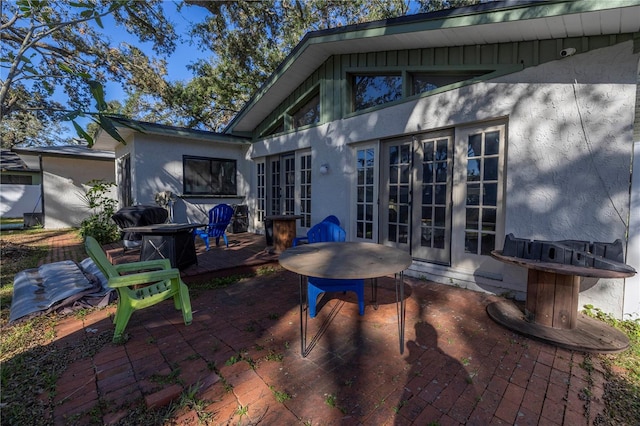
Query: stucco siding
point(157, 165)
point(568, 154)
point(65, 184)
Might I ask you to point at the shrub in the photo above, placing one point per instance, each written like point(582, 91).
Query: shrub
point(100, 225)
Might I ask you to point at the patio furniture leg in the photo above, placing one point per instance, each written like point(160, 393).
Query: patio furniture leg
point(374, 293)
point(303, 315)
point(400, 308)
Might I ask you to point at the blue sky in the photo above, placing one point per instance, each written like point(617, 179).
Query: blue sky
point(184, 54)
point(177, 63)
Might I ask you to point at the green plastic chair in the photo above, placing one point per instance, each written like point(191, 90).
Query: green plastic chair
point(155, 281)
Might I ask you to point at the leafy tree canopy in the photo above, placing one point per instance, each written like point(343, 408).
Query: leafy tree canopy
point(249, 39)
point(54, 48)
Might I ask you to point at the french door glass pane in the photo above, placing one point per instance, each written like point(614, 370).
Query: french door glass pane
point(261, 192)
point(483, 167)
point(275, 187)
point(365, 189)
point(434, 192)
point(305, 190)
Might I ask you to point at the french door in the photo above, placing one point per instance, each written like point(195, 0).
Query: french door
point(478, 199)
point(282, 185)
point(416, 195)
point(442, 196)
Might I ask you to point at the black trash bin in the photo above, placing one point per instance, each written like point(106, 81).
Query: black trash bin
point(240, 221)
point(268, 231)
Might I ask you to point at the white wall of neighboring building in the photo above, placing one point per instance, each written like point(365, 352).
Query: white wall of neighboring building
point(568, 156)
point(65, 181)
point(15, 200)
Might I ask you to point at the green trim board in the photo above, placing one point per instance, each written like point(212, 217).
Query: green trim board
point(482, 24)
point(497, 59)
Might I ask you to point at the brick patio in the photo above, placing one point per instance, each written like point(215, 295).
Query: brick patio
point(242, 354)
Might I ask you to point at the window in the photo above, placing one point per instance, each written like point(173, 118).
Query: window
point(305, 190)
point(262, 194)
point(17, 179)
point(309, 113)
point(209, 176)
point(289, 184)
point(372, 90)
point(425, 82)
point(124, 181)
point(275, 129)
point(365, 188)
point(483, 165)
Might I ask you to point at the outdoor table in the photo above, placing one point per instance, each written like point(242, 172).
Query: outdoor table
point(284, 230)
point(347, 260)
point(551, 307)
point(173, 241)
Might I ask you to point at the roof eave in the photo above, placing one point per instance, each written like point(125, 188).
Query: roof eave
point(453, 27)
point(127, 128)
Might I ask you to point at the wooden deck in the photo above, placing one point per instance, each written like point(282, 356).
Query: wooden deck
point(246, 253)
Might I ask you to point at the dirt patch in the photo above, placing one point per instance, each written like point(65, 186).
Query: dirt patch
point(12, 252)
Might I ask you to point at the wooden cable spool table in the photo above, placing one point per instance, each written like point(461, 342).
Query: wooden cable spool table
point(346, 260)
point(551, 307)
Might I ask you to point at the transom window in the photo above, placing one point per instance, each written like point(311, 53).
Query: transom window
point(425, 82)
point(209, 176)
point(309, 113)
point(378, 89)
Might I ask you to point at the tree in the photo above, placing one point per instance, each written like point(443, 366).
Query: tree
point(248, 41)
point(53, 47)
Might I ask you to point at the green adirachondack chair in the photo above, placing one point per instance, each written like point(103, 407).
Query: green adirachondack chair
point(154, 281)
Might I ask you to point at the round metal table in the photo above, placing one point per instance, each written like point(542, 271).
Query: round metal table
point(347, 260)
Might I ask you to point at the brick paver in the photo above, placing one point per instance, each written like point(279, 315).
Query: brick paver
point(242, 357)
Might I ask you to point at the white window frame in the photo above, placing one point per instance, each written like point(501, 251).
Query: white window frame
point(353, 226)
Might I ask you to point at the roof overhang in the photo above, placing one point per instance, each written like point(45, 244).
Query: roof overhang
point(127, 128)
point(67, 151)
point(487, 23)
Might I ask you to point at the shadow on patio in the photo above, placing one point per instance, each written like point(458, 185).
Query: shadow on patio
point(240, 359)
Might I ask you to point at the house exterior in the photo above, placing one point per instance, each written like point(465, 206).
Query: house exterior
point(201, 169)
point(65, 174)
point(442, 133)
point(20, 189)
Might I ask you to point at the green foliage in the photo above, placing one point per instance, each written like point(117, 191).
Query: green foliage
point(258, 36)
point(59, 47)
point(628, 360)
point(280, 395)
point(100, 225)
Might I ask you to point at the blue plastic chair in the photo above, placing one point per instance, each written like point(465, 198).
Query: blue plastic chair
point(219, 218)
point(300, 240)
point(326, 231)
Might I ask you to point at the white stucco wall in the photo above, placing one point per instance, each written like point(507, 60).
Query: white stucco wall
point(156, 165)
point(65, 183)
point(632, 285)
point(568, 155)
point(15, 200)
